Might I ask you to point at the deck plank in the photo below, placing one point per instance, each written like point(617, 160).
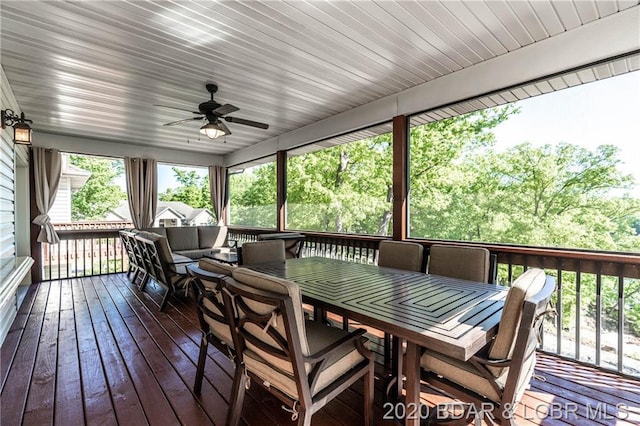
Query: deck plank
point(19, 376)
point(95, 350)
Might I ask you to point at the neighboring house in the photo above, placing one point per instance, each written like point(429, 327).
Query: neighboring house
point(72, 178)
point(168, 213)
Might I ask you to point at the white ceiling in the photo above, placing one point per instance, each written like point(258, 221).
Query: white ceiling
point(95, 69)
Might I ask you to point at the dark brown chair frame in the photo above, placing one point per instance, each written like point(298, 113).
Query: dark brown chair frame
point(161, 270)
point(136, 264)
point(535, 308)
point(290, 349)
point(202, 293)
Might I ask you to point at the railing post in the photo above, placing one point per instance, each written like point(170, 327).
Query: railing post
point(400, 176)
point(281, 185)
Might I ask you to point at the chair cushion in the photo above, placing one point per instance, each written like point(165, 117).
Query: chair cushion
point(465, 263)
point(319, 337)
point(527, 285)
point(212, 236)
point(216, 267)
point(158, 230)
point(183, 237)
point(262, 252)
point(460, 372)
point(276, 285)
point(401, 255)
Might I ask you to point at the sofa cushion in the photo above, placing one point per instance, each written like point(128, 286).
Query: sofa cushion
point(183, 237)
point(193, 253)
point(159, 230)
point(212, 236)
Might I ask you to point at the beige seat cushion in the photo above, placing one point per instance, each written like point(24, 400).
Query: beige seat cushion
point(263, 252)
point(466, 375)
point(527, 285)
point(401, 255)
point(465, 263)
point(216, 267)
point(319, 336)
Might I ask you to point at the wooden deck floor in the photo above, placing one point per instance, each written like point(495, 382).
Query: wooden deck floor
point(98, 351)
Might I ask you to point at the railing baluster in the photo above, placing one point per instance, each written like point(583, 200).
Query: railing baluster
point(559, 309)
point(578, 308)
point(620, 318)
point(598, 311)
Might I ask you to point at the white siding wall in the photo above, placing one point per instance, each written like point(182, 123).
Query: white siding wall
point(61, 210)
point(12, 268)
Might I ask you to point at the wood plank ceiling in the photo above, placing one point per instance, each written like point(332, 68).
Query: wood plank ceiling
point(96, 69)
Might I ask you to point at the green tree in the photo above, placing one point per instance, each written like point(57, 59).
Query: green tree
point(99, 194)
point(193, 189)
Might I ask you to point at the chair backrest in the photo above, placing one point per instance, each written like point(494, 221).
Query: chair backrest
point(156, 256)
point(517, 339)
point(213, 313)
point(270, 319)
point(462, 262)
point(129, 244)
point(258, 252)
point(293, 242)
point(401, 255)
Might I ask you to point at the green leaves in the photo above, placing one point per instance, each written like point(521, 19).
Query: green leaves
point(99, 194)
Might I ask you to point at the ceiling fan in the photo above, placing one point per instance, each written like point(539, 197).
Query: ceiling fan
point(215, 113)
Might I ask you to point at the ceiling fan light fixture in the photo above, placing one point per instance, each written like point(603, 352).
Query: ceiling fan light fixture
point(212, 130)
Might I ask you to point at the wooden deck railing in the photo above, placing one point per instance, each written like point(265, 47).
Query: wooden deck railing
point(595, 324)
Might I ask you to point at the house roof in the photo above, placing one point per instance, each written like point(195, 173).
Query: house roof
point(180, 209)
point(98, 70)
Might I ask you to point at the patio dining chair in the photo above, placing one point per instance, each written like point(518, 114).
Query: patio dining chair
point(213, 315)
point(500, 373)
point(305, 364)
point(401, 255)
point(257, 252)
point(462, 262)
point(167, 269)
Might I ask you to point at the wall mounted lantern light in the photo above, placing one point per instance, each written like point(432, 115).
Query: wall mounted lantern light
point(21, 128)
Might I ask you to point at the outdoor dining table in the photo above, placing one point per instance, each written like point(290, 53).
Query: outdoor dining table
point(454, 317)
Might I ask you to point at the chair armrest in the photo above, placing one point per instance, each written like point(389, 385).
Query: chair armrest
point(183, 262)
point(328, 351)
point(198, 272)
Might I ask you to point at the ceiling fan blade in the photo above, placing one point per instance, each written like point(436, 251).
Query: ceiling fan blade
point(224, 127)
point(180, 109)
point(225, 109)
point(173, 123)
point(246, 122)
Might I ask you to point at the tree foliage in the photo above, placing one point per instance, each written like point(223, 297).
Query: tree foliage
point(193, 189)
point(100, 194)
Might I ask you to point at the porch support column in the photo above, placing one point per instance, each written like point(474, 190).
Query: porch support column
point(281, 184)
point(34, 230)
point(400, 176)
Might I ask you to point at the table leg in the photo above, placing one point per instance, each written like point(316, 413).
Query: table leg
point(412, 383)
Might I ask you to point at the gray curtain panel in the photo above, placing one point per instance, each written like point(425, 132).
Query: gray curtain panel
point(218, 188)
point(47, 164)
point(142, 190)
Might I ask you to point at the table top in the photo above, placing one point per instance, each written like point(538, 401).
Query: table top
point(230, 257)
point(452, 316)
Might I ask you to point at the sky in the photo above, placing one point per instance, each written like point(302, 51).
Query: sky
point(597, 113)
point(602, 112)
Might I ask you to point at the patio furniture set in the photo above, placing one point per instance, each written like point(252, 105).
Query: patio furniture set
point(447, 325)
